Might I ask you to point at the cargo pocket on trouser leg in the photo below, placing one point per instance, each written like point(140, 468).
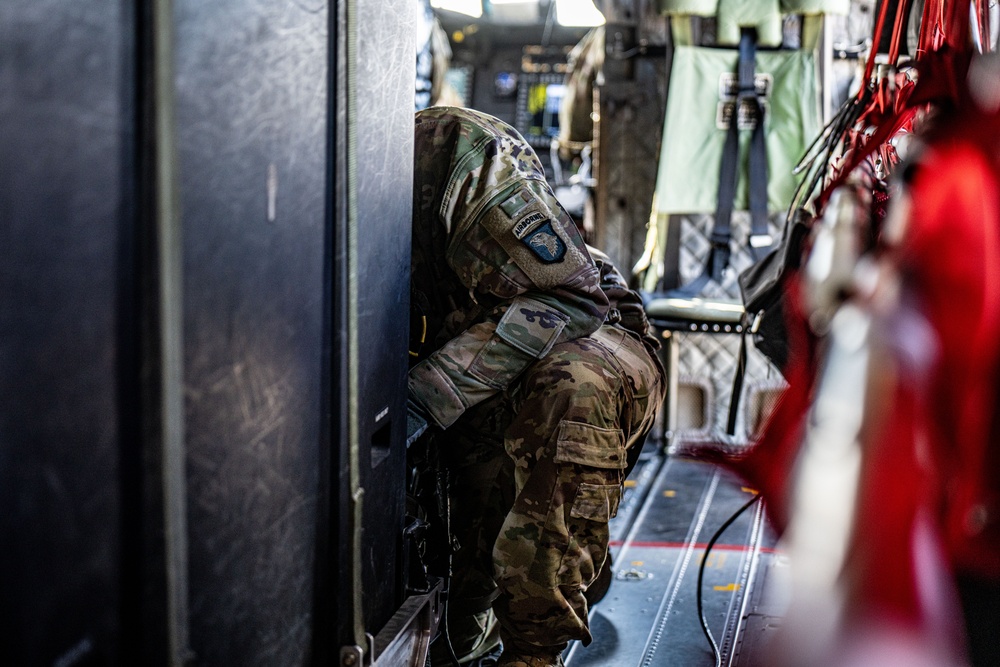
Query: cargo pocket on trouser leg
point(556, 537)
point(596, 502)
point(592, 462)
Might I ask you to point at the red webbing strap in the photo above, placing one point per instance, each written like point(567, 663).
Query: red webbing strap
point(957, 25)
point(983, 25)
point(898, 30)
point(880, 101)
point(944, 24)
point(931, 28)
point(881, 135)
point(883, 11)
point(944, 63)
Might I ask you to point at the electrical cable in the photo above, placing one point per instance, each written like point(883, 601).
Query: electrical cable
point(701, 574)
point(423, 335)
point(444, 619)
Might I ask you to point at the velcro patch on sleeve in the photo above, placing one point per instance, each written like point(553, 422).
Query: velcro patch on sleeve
point(546, 243)
point(528, 223)
point(536, 237)
point(516, 203)
point(531, 326)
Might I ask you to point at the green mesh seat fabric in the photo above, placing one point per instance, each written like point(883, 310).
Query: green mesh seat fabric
point(688, 178)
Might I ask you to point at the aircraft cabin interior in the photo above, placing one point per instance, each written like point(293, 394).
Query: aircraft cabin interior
point(219, 441)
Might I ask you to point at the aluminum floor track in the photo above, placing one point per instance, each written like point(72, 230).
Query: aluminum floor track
point(649, 617)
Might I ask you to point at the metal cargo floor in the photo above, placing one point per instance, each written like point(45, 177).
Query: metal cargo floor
point(649, 617)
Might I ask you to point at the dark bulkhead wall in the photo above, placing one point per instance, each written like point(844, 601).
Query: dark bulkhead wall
point(67, 195)
point(217, 533)
point(251, 111)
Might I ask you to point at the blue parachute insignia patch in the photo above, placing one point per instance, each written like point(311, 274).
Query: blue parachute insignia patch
point(546, 244)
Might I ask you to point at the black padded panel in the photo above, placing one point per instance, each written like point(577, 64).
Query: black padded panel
point(252, 137)
point(253, 159)
point(384, 90)
point(66, 198)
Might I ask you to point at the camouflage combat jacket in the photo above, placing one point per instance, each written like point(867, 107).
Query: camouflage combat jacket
point(499, 272)
point(626, 308)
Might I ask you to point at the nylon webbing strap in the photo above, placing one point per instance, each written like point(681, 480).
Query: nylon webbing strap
point(760, 240)
point(738, 377)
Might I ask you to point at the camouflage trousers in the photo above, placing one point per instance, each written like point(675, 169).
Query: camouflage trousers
point(537, 474)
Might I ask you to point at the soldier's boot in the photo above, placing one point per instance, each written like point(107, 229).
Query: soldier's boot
point(513, 660)
point(474, 637)
point(491, 659)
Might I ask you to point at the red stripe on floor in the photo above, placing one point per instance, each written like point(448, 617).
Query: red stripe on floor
point(697, 545)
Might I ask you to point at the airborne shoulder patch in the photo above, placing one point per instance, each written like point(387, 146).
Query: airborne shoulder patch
point(524, 225)
point(545, 243)
point(532, 226)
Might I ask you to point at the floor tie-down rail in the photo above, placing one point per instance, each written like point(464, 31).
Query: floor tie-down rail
point(649, 617)
point(405, 639)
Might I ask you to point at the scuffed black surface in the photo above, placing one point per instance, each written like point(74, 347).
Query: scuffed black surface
point(384, 91)
point(254, 159)
point(252, 115)
point(65, 196)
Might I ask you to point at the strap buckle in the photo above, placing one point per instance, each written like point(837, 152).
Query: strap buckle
point(719, 240)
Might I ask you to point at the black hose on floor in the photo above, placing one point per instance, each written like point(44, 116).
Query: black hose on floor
point(701, 575)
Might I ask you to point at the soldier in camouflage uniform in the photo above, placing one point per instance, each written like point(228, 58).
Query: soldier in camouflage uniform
point(539, 369)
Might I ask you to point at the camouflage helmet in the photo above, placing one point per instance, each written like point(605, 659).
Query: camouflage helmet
point(465, 161)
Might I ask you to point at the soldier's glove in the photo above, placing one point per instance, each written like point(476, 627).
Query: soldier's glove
point(417, 421)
